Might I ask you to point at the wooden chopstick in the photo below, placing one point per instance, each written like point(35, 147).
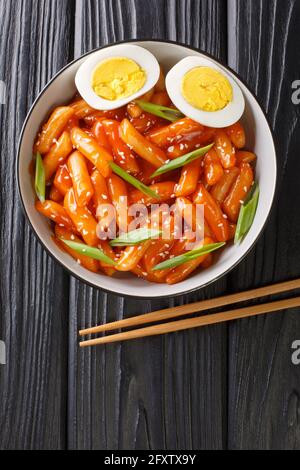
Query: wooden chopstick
point(174, 312)
point(196, 322)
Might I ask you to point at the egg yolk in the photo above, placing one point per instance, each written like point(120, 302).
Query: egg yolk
point(117, 77)
point(207, 89)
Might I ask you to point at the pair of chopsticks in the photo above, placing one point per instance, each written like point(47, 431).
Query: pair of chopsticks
point(204, 320)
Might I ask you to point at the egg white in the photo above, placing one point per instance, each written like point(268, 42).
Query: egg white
point(141, 56)
point(222, 118)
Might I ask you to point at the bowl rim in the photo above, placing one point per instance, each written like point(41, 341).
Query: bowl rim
point(59, 261)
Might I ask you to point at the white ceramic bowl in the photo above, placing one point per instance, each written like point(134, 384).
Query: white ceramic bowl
point(259, 139)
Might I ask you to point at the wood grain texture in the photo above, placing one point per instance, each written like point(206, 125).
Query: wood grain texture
point(217, 387)
point(35, 42)
point(158, 393)
point(264, 385)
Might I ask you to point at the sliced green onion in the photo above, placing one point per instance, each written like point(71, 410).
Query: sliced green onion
point(135, 237)
point(89, 251)
point(247, 214)
point(133, 181)
point(188, 256)
point(40, 182)
point(161, 111)
point(181, 161)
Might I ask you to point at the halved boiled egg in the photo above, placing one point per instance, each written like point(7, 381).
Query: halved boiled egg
point(113, 77)
point(205, 92)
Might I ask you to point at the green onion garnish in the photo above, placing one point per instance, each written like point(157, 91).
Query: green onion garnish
point(89, 251)
point(135, 237)
point(40, 182)
point(247, 214)
point(188, 256)
point(133, 181)
point(161, 111)
point(181, 161)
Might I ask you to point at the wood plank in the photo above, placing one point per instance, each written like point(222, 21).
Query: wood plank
point(36, 37)
point(264, 385)
point(160, 393)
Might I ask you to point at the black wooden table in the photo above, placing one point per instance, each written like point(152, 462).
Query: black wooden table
point(227, 386)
